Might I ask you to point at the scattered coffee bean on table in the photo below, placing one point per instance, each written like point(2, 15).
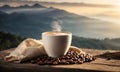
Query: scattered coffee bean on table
point(72, 57)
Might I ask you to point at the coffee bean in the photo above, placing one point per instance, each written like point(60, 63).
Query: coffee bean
point(67, 63)
point(58, 60)
point(40, 63)
point(80, 62)
point(49, 63)
point(55, 62)
point(71, 57)
point(33, 61)
point(77, 56)
point(63, 60)
point(38, 59)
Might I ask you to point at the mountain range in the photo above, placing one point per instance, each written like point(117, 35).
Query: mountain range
point(36, 5)
point(62, 3)
point(32, 22)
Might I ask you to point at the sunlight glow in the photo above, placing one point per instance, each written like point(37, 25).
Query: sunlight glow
point(118, 3)
point(118, 6)
point(111, 2)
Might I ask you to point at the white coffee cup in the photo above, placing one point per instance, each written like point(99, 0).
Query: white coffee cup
point(56, 43)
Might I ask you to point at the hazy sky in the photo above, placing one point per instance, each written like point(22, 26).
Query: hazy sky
point(86, 1)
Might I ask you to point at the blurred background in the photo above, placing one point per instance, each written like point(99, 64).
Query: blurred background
point(95, 24)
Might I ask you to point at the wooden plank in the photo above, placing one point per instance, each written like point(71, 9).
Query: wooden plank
point(99, 65)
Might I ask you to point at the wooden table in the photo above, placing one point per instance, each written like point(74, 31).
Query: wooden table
point(99, 65)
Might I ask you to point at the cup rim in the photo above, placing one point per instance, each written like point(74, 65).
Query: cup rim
point(68, 33)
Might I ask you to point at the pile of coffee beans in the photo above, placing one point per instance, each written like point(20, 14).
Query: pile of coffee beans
point(72, 57)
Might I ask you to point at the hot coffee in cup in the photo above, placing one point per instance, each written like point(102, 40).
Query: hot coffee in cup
point(56, 43)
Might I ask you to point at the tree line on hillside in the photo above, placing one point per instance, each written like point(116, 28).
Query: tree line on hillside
point(112, 44)
point(8, 40)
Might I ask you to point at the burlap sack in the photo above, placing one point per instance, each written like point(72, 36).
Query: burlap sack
point(30, 48)
point(27, 49)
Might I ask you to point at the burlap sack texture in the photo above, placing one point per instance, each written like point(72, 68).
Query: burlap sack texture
point(31, 48)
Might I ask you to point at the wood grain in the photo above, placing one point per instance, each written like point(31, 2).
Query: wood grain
point(109, 63)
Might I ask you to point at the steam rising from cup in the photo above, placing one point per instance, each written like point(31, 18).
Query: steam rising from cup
point(56, 26)
point(56, 42)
